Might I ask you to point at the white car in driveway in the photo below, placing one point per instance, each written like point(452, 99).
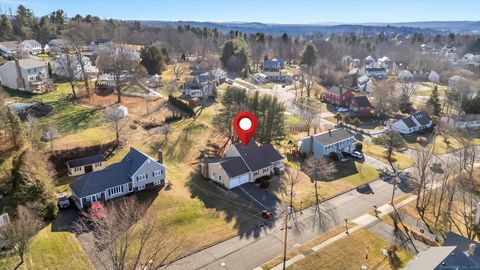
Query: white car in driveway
point(357, 154)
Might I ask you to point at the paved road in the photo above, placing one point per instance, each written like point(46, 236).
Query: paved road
point(248, 253)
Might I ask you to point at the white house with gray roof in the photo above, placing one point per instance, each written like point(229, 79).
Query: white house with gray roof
point(32, 46)
point(9, 49)
point(26, 74)
point(325, 143)
point(412, 123)
point(137, 171)
point(243, 164)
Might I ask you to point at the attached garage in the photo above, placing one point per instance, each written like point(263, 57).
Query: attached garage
point(237, 181)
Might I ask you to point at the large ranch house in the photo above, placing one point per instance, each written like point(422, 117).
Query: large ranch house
point(135, 172)
point(243, 164)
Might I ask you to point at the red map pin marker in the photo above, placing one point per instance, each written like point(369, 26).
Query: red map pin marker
point(245, 124)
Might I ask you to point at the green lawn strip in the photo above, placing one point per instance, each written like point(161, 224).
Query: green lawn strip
point(401, 161)
point(349, 253)
point(51, 250)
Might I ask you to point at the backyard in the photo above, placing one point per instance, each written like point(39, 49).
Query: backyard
point(401, 161)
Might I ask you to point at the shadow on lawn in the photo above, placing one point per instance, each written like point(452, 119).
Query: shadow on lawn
point(343, 169)
point(246, 214)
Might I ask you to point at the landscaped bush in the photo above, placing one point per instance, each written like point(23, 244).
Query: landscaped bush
point(359, 146)
point(181, 105)
point(264, 183)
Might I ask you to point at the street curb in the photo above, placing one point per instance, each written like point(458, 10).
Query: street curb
point(273, 221)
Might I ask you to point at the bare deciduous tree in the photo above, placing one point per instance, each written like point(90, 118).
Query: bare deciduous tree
point(128, 237)
point(19, 231)
point(114, 116)
point(319, 168)
point(425, 178)
point(118, 62)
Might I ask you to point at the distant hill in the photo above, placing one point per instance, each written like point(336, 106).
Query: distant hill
point(464, 27)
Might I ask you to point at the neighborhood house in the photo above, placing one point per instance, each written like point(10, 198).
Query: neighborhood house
point(32, 46)
point(9, 49)
point(471, 121)
point(325, 143)
point(412, 123)
point(135, 172)
point(26, 74)
point(378, 73)
point(273, 64)
point(361, 104)
point(243, 164)
point(85, 165)
point(338, 96)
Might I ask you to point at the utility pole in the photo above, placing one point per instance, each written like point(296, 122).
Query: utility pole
point(285, 241)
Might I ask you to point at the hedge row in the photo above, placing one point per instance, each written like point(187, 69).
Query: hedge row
point(181, 105)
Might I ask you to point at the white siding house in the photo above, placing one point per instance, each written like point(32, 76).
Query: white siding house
point(243, 164)
point(25, 74)
point(325, 143)
point(32, 46)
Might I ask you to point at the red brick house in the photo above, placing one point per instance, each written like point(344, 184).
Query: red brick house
point(339, 96)
point(361, 104)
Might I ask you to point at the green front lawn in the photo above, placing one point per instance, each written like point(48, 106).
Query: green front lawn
point(349, 253)
point(50, 250)
point(401, 161)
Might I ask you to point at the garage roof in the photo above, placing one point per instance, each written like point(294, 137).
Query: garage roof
point(234, 166)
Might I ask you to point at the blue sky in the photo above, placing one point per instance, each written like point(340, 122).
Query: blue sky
point(270, 11)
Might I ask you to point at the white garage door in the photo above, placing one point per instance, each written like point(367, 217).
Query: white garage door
point(239, 180)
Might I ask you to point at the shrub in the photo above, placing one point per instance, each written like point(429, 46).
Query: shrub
point(264, 183)
point(181, 105)
point(359, 146)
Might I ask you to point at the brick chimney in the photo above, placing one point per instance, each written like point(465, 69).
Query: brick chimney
point(20, 80)
point(160, 156)
point(204, 167)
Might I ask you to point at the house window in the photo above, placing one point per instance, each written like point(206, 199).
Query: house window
point(77, 169)
point(115, 190)
point(220, 177)
point(98, 164)
point(87, 198)
point(157, 173)
point(141, 177)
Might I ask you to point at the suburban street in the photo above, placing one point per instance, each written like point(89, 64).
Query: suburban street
point(249, 253)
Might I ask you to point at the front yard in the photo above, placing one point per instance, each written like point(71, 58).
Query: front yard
point(349, 175)
point(401, 161)
point(51, 250)
point(349, 253)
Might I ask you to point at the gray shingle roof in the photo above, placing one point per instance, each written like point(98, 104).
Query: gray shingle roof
point(85, 161)
point(409, 122)
point(31, 63)
point(234, 166)
point(460, 260)
point(258, 157)
point(362, 101)
point(114, 175)
point(336, 90)
point(333, 136)
point(422, 117)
